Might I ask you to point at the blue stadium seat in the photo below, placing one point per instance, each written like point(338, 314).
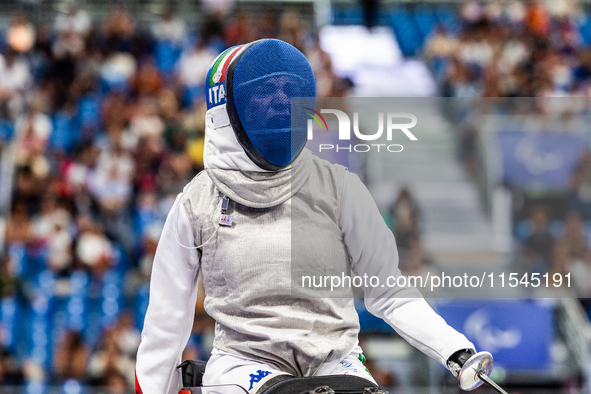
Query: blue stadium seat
point(447, 17)
point(141, 305)
point(6, 130)
point(406, 31)
point(17, 253)
point(34, 263)
point(35, 387)
point(76, 307)
point(9, 319)
point(111, 298)
point(114, 83)
point(522, 230)
point(193, 94)
point(426, 22)
point(120, 260)
point(58, 322)
point(72, 386)
point(66, 130)
point(346, 14)
point(89, 109)
point(370, 323)
point(167, 54)
point(440, 66)
point(40, 325)
point(557, 228)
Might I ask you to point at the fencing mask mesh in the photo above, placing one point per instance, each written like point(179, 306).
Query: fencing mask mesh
point(261, 80)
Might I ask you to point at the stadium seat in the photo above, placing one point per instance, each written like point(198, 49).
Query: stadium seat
point(40, 326)
point(89, 110)
point(111, 298)
point(369, 324)
point(141, 305)
point(425, 21)
point(35, 387)
point(64, 136)
point(406, 32)
point(166, 54)
point(193, 94)
point(77, 308)
point(347, 14)
point(447, 17)
point(9, 317)
point(33, 263)
point(17, 253)
point(6, 130)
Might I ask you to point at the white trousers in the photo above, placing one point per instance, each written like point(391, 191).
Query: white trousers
point(225, 368)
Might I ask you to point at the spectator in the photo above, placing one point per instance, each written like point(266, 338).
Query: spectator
point(115, 382)
point(10, 372)
point(73, 20)
point(109, 360)
point(405, 216)
point(579, 197)
point(413, 261)
point(127, 335)
point(240, 29)
point(52, 227)
point(9, 282)
point(512, 50)
point(33, 131)
point(95, 251)
point(293, 30)
point(169, 28)
point(15, 77)
point(71, 357)
point(106, 136)
point(19, 228)
point(194, 64)
point(574, 237)
point(21, 34)
point(539, 244)
point(441, 45)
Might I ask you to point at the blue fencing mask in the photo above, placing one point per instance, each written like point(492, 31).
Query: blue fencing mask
point(257, 81)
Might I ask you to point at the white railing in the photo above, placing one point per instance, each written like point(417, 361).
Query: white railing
point(577, 331)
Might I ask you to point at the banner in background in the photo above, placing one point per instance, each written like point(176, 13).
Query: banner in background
point(517, 333)
point(539, 160)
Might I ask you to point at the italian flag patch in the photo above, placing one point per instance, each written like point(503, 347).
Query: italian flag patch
point(220, 66)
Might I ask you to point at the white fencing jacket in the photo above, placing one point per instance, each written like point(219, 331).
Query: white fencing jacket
point(313, 219)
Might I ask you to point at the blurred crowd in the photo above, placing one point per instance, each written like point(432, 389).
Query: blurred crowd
point(514, 49)
point(107, 120)
point(527, 49)
point(556, 235)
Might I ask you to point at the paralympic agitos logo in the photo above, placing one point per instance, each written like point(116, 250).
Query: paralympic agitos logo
point(393, 124)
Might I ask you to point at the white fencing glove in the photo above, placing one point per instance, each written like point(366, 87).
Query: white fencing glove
point(466, 365)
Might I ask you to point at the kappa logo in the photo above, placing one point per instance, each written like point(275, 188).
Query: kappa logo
point(255, 378)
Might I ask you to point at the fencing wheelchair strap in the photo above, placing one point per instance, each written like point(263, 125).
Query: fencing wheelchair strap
point(192, 372)
point(345, 384)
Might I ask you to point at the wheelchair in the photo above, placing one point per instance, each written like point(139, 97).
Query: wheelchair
point(192, 375)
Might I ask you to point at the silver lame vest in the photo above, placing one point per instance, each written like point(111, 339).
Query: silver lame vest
point(284, 226)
